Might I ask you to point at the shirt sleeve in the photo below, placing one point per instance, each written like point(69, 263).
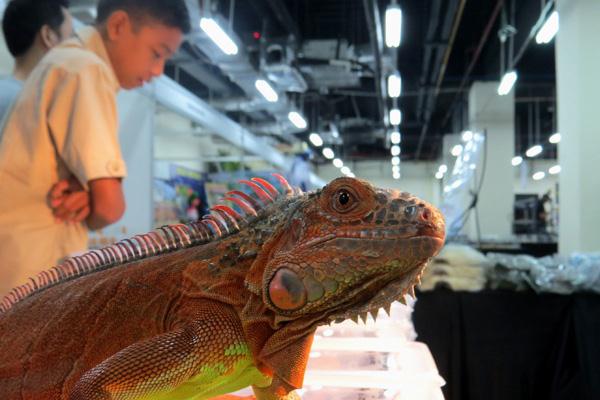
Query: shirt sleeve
point(83, 123)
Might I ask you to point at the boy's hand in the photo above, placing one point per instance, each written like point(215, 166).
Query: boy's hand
point(68, 200)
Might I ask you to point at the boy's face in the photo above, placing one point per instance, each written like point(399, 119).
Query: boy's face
point(138, 52)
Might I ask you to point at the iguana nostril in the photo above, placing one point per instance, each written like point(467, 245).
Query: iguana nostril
point(426, 214)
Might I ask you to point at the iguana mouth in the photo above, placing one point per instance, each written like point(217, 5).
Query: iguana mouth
point(425, 231)
point(394, 290)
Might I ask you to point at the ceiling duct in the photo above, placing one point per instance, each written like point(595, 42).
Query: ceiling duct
point(239, 70)
point(277, 64)
point(331, 63)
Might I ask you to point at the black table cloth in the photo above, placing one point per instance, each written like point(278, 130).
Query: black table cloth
point(497, 345)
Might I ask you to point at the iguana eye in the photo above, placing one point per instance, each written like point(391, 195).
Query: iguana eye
point(410, 212)
point(344, 201)
point(344, 197)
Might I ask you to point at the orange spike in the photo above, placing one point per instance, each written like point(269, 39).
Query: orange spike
point(231, 213)
point(219, 219)
point(267, 186)
point(210, 223)
point(249, 199)
point(262, 194)
point(247, 208)
point(227, 218)
point(284, 183)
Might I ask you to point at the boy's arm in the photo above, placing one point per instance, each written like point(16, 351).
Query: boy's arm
point(103, 205)
point(107, 202)
point(69, 201)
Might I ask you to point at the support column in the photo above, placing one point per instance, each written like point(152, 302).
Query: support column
point(495, 114)
point(578, 91)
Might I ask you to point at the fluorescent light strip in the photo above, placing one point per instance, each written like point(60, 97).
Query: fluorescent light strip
point(395, 150)
point(534, 151)
point(394, 85)
point(395, 138)
point(218, 35)
point(338, 163)
point(554, 170)
point(328, 153)
point(548, 30)
point(555, 139)
point(395, 117)
point(298, 120)
point(266, 90)
point(516, 161)
point(393, 26)
point(507, 83)
point(538, 176)
point(315, 139)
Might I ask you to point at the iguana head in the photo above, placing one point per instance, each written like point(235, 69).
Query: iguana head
point(344, 251)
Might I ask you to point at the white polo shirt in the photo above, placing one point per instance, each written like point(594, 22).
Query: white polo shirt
point(64, 124)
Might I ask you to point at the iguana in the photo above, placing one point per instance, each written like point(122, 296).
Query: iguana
point(199, 310)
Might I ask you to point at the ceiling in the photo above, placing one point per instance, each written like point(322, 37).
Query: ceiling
point(325, 61)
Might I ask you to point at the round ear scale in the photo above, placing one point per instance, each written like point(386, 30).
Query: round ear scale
point(287, 291)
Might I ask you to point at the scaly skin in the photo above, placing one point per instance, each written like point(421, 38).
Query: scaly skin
point(208, 320)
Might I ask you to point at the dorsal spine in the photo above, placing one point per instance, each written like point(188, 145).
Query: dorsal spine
point(221, 221)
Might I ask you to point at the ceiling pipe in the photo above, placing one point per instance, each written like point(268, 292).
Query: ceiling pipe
point(376, 37)
point(429, 47)
point(441, 73)
point(285, 19)
point(532, 33)
point(482, 42)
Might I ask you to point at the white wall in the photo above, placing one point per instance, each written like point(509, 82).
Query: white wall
point(136, 123)
point(578, 85)
point(175, 143)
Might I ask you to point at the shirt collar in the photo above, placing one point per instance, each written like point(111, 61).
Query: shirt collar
point(91, 40)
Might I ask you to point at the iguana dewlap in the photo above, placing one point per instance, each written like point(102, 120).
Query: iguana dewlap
point(195, 311)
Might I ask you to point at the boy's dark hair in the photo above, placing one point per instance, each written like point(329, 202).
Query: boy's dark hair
point(172, 13)
point(23, 19)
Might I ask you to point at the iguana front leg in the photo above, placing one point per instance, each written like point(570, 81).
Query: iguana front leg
point(288, 360)
point(200, 359)
point(274, 392)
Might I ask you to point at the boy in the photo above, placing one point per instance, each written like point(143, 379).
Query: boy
point(64, 127)
point(31, 28)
